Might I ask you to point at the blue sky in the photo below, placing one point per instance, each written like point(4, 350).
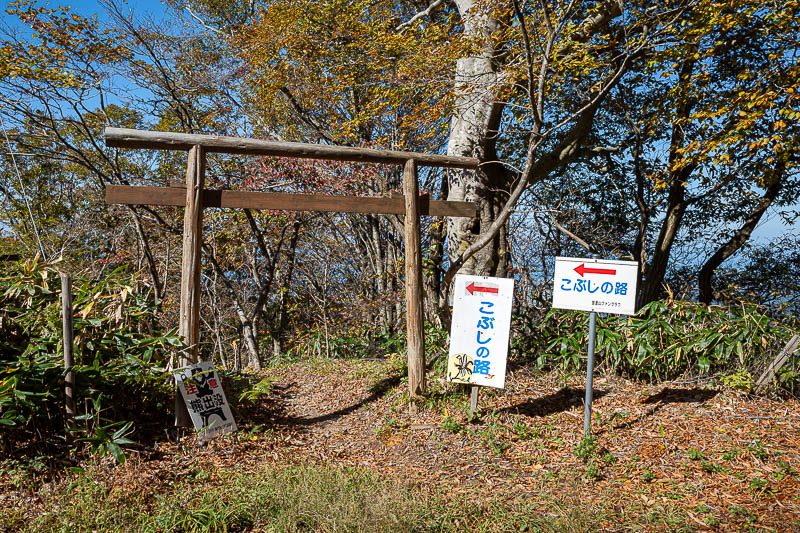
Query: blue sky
point(87, 7)
point(91, 7)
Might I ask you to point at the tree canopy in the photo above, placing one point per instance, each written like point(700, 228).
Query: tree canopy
point(660, 132)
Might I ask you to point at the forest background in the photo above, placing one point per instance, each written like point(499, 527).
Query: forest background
point(661, 132)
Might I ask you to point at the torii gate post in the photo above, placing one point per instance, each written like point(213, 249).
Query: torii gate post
point(189, 315)
point(415, 320)
point(191, 266)
point(195, 198)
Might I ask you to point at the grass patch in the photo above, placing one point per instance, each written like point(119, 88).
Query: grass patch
point(289, 499)
point(292, 498)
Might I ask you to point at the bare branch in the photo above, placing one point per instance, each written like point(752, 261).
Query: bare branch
point(202, 22)
point(24, 193)
point(568, 233)
point(424, 13)
point(305, 115)
point(534, 171)
point(537, 116)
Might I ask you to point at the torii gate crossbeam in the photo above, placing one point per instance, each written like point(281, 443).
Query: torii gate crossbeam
point(195, 198)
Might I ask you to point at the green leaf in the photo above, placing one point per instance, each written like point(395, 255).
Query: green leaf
point(117, 452)
point(122, 431)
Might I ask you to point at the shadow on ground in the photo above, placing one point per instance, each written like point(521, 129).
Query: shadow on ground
point(669, 395)
point(266, 409)
point(563, 400)
point(376, 392)
point(665, 396)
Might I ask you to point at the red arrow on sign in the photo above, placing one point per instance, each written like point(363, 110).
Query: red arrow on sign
point(472, 288)
point(583, 270)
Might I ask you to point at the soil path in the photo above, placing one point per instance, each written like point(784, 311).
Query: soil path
point(724, 459)
point(671, 444)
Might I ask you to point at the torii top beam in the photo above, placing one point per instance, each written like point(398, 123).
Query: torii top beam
point(196, 197)
point(129, 138)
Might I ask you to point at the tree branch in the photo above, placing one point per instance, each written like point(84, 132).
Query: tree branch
point(424, 13)
point(589, 248)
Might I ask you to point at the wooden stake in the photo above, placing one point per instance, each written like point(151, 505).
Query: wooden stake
point(414, 314)
point(69, 359)
point(189, 317)
point(769, 374)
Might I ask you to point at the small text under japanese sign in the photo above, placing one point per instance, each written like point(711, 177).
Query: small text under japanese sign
point(595, 285)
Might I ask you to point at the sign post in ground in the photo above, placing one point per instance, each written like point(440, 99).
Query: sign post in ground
point(201, 389)
point(597, 286)
point(69, 358)
point(479, 332)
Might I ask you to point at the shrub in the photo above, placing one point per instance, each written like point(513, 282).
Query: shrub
point(666, 339)
point(119, 364)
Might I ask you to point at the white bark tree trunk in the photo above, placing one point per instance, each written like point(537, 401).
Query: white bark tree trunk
point(473, 128)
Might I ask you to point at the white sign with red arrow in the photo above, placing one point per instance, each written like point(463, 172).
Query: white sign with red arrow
point(595, 285)
point(480, 329)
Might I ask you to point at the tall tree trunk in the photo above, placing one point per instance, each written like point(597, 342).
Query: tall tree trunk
point(152, 267)
point(432, 266)
point(473, 133)
point(384, 312)
point(282, 319)
point(657, 268)
point(248, 330)
point(394, 286)
point(250, 337)
point(740, 237)
point(477, 246)
point(645, 211)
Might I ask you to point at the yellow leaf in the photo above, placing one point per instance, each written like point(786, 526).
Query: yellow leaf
point(87, 309)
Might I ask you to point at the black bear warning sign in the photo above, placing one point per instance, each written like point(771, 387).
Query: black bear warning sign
point(202, 391)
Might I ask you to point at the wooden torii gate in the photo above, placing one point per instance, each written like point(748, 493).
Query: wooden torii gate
point(195, 197)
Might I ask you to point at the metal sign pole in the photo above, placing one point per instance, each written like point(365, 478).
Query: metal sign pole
point(594, 285)
point(473, 400)
point(587, 414)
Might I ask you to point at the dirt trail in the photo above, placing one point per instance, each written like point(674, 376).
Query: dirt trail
point(699, 446)
point(719, 457)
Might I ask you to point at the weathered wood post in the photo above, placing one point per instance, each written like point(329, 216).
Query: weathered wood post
point(769, 374)
point(69, 358)
point(189, 315)
point(414, 312)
